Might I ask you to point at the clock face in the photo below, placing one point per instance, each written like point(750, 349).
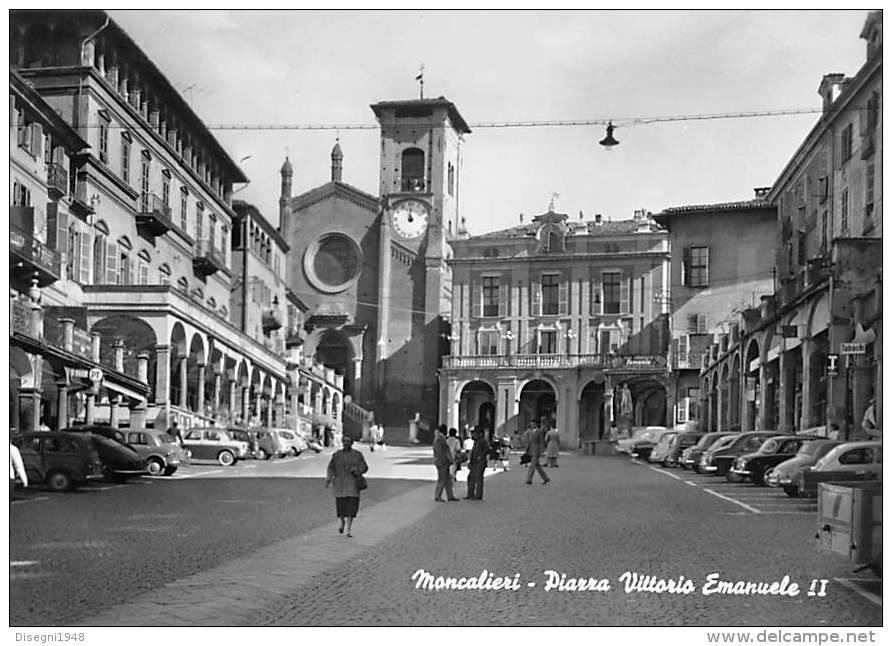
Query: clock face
point(409, 218)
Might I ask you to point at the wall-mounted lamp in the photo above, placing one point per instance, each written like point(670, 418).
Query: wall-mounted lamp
point(608, 142)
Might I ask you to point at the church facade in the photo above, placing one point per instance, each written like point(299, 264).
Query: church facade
point(374, 270)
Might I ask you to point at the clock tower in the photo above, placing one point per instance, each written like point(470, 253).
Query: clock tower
point(421, 143)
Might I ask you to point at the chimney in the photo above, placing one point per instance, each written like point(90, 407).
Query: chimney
point(830, 88)
point(580, 214)
point(761, 192)
point(521, 218)
point(597, 218)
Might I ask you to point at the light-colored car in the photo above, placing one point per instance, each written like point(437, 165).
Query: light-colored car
point(214, 444)
point(268, 443)
point(848, 462)
point(641, 434)
point(292, 441)
point(660, 452)
point(786, 474)
point(162, 453)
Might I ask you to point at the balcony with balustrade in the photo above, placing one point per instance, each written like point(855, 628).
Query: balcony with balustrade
point(31, 258)
point(208, 259)
point(606, 362)
point(153, 216)
point(56, 181)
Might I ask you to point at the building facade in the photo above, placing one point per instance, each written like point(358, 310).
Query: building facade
point(145, 241)
point(55, 366)
point(562, 320)
point(810, 357)
point(714, 277)
point(373, 269)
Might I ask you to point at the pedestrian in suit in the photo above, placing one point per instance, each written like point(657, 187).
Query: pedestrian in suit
point(535, 448)
point(443, 460)
point(455, 447)
point(477, 465)
point(552, 446)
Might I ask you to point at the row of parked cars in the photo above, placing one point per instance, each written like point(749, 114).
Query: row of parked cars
point(795, 463)
point(66, 459)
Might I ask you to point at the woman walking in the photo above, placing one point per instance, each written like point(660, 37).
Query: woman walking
point(344, 469)
point(552, 446)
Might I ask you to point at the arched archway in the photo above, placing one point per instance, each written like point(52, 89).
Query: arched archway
point(335, 351)
point(538, 401)
point(591, 411)
point(476, 406)
point(412, 170)
point(752, 388)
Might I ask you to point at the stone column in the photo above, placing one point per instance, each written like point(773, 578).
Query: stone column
point(95, 344)
point(162, 374)
point(113, 403)
point(245, 404)
point(786, 374)
point(232, 400)
point(764, 395)
point(199, 400)
point(280, 411)
point(138, 410)
point(63, 405)
point(218, 381)
point(258, 405)
point(269, 412)
point(119, 355)
point(357, 379)
point(184, 383)
point(807, 420)
point(861, 382)
point(90, 408)
point(608, 406)
point(67, 334)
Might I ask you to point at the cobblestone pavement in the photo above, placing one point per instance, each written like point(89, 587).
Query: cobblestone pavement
point(258, 563)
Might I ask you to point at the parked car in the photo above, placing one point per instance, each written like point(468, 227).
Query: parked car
point(61, 461)
point(312, 443)
point(107, 432)
point(214, 444)
point(680, 443)
point(119, 461)
point(268, 443)
point(642, 448)
point(293, 442)
point(690, 458)
point(160, 451)
point(848, 462)
point(661, 449)
point(786, 474)
point(718, 460)
point(773, 451)
point(639, 435)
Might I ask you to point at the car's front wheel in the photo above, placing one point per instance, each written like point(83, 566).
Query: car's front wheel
point(294, 451)
point(262, 454)
point(155, 466)
point(226, 458)
point(59, 481)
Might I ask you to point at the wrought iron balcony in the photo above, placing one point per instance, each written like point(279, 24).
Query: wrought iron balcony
point(207, 259)
point(272, 318)
point(56, 181)
point(154, 215)
point(29, 257)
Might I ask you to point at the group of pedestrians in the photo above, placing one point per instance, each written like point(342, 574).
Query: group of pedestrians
point(450, 453)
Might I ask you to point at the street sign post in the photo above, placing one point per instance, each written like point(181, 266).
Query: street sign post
point(832, 362)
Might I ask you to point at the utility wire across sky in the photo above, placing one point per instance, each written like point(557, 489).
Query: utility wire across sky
point(617, 122)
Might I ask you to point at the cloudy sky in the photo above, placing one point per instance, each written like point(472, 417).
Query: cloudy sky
point(326, 67)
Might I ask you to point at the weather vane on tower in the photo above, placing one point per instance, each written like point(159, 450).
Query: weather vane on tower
point(420, 79)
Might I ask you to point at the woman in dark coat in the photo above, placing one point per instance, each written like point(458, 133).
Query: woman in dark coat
point(343, 468)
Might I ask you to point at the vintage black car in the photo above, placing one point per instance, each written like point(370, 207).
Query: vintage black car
point(690, 458)
point(772, 452)
point(719, 460)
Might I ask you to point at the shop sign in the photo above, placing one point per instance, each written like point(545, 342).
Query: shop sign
point(852, 348)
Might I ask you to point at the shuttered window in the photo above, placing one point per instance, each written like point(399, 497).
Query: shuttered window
point(699, 264)
point(612, 288)
point(100, 249)
point(551, 295)
point(490, 296)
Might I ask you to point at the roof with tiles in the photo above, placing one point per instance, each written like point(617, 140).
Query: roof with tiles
point(605, 228)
